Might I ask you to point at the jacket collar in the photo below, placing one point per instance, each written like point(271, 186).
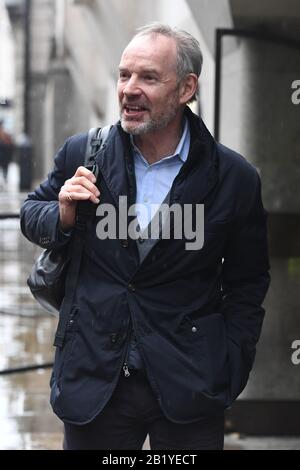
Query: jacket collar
point(202, 162)
point(116, 163)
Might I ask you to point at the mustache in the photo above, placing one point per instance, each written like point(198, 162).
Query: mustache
point(139, 104)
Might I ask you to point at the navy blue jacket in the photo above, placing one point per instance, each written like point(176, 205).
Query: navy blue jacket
point(197, 315)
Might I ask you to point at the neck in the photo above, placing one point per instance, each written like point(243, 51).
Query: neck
point(161, 143)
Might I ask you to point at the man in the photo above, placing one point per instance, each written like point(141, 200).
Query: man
point(161, 339)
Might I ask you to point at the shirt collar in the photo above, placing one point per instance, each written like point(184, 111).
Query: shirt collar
point(182, 149)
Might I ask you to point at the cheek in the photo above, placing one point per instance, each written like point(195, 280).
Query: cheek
point(165, 103)
point(120, 93)
point(158, 101)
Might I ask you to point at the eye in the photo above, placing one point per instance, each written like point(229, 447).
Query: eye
point(123, 76)
point(149, 78)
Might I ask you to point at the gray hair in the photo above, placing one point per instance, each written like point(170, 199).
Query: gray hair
point(189, 55)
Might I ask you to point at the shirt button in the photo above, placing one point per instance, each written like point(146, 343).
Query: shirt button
point(131, 287)
point(141, 240)
point(124, 243)
point(194, 329)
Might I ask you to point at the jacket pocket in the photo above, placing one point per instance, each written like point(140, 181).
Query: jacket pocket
point(240, 366)
point(209, 345)
point(62, 354)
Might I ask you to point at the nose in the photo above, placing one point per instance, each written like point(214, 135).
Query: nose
point(131, 87)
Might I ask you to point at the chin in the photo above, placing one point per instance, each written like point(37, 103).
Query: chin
point(134, 128)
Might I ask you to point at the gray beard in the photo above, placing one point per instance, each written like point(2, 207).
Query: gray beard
point(149, 126)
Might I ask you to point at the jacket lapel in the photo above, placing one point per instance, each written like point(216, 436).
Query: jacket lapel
point(116, 166)
point(199, 174)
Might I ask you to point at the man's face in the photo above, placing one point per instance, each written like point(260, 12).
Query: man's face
point(148, 87)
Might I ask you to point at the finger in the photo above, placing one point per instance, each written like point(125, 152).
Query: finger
point(67, 193)
point(71, 193)
point(73, 196)
point(84, 182)
point(82, 171)
point(80, 188)
point(84, 196)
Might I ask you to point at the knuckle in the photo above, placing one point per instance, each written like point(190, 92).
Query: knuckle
point(82, 180)
point(62, 190)
point(79, 171)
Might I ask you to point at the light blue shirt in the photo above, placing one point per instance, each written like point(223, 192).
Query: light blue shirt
point(153, 182)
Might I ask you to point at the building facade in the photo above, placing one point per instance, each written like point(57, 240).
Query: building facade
point(73, 50)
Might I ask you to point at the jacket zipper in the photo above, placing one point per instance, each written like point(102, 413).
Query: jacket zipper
point(126, 370)
point(125, 363)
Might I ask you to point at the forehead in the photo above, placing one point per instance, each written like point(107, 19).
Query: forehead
point(153, 51)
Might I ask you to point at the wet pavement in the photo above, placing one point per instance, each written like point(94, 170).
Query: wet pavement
point(27, 332)
point(27, 421)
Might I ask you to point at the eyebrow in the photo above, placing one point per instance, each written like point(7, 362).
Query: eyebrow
point(154, 71)
point(151, 71)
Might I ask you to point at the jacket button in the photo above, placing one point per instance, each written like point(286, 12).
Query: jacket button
point(124, 243)
point(131, 287)
point(113, 337)
point(194, 329)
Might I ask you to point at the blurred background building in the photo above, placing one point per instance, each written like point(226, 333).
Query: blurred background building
point(7, 68)
point(58, 75)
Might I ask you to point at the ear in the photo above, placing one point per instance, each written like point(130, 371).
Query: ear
point(188, 87)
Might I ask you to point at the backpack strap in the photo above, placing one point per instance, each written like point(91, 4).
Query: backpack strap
point(85, 211)
point(96, 140)
point(92, 134)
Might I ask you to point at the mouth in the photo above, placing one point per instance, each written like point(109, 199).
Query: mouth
point(133, 111)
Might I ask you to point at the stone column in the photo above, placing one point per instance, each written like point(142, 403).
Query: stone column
point(259, 120)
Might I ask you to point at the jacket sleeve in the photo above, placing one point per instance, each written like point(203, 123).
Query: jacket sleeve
point(40, 212)
point(245, 281)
